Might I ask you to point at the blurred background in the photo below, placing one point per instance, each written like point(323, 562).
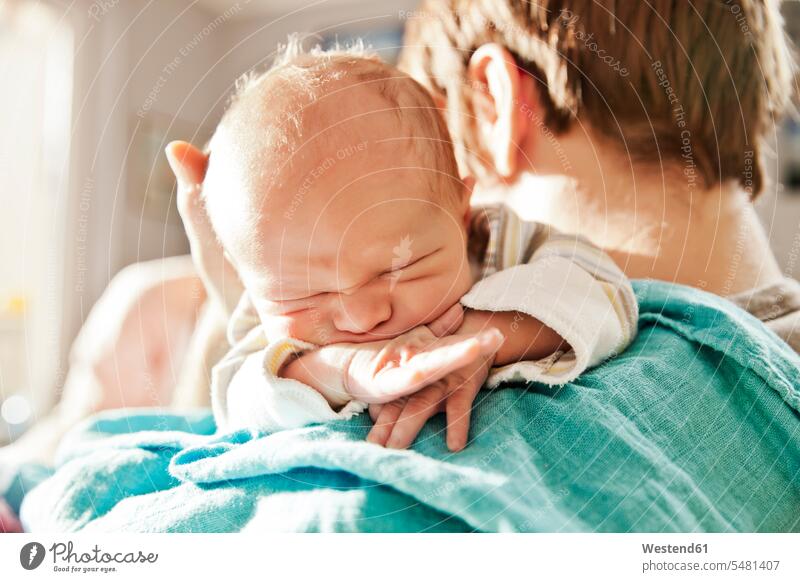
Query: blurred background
point(94, 90)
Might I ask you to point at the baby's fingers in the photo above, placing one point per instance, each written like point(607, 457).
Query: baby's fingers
point(490, 340)
point(446, 355)
point(375, 411)
point(423, 369)
point(384, 423)
point(459, 409)
point(452, 353)
point(434, 363)
point(419, 408)
point(448, 322)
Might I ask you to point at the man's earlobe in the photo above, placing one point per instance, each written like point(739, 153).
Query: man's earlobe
point(495, 80)
point(187, 162)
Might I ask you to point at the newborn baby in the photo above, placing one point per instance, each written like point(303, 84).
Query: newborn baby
point(333, 188)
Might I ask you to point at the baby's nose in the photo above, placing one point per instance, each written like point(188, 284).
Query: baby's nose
point(361, 313)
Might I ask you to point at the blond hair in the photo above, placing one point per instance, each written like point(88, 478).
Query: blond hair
point(310, 72)
point(655, 76)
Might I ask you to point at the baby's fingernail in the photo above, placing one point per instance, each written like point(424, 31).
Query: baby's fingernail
point(393, 444)
point(454, 446)
point(376, 436)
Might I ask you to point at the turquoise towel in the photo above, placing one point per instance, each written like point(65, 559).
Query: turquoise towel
point(694, 428)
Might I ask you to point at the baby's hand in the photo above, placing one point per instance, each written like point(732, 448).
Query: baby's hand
point(379, 374)
point(383, 371)
point(398, 423)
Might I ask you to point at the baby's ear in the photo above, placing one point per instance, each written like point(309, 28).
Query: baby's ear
point(187, 162)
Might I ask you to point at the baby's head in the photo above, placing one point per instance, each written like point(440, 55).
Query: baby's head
point(333, 187)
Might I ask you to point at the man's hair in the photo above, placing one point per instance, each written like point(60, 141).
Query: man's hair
point(701, 83)
point(312, 75)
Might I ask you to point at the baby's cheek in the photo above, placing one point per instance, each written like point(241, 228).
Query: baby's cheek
point(306, 327)
point(426, 302)
point(279, 327)
point(457, 282)
point(448, 291)
point(276, 327)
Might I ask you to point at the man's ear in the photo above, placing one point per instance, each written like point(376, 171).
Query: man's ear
point(468, 185)
point(187, 162)
point(499, 91)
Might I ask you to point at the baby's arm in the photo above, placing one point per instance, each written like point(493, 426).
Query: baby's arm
point(526, 338)
point(561, 287)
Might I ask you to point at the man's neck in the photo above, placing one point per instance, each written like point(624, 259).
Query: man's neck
point(709, 239)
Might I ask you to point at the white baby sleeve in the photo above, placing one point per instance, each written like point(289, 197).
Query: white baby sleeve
point(247, 393)
point(589, 303)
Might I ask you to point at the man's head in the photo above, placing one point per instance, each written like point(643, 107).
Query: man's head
point(662, 79)
point(332, 185)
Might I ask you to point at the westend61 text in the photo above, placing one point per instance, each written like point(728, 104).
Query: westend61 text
point(670, 549)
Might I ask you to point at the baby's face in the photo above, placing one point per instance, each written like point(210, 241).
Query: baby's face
point(370, 266)
point(349, 233)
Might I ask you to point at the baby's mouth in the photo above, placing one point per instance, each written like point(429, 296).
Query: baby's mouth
point(380, 333)
point(362, 338)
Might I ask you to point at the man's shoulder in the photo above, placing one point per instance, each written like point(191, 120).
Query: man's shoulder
point(778, 306)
